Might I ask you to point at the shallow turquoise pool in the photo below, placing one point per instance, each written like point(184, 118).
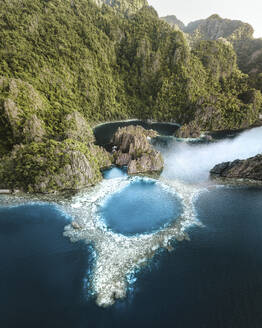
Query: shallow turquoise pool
point(143, 206)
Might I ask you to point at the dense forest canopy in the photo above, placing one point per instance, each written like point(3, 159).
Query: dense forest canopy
point(106, 62)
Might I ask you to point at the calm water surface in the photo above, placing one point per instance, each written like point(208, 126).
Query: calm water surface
point(141, 207)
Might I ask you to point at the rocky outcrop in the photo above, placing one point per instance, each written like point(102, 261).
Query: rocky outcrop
point(53, 166)
point(215, 27)
point(133, 149)
point(152, 162)
point(34, 129)
point(238, 33)
point(36, 157)
point(250, 169)
point(21, 112)
point(76, 127)
point(11, 114)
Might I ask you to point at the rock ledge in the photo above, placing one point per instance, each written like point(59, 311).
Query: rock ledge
point(250, 169)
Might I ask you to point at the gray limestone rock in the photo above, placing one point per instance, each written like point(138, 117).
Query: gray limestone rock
point(250, 169)
point(135, 150)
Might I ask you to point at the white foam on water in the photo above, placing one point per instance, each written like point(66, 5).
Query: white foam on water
point(119, 256)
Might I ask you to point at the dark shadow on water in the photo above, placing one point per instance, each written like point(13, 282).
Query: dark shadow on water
point(104, 132)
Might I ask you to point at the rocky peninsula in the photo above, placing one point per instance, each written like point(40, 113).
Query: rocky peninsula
point(249, 169)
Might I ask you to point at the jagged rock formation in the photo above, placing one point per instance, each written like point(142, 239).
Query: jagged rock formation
point(22, 110)
point(238, 33)
point(250, 169)
point(215, 27)
point(135, 151)
point(213, 112)
point(33, 158)
point(76, 127)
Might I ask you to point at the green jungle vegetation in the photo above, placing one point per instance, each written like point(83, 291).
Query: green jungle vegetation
point(236, 32)
point(67, 65)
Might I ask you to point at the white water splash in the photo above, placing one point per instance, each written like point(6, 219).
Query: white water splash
point(192, 163)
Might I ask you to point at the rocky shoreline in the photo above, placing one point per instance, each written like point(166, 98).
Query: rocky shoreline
point(76, 162)
point(40, 164)
point(249, 169)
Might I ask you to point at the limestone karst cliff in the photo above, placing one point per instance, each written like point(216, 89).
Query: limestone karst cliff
point(238, 33)
point(134, 150)
point(74, 63)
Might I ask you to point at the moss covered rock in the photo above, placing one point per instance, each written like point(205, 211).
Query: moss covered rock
point(53, 166)
point(22, 112)
point(76, 127)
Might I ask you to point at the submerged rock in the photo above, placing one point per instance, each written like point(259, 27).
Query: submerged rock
point(250, 169)
point(135, 150)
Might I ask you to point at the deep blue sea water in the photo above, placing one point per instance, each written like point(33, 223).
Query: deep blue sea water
point(214, 280)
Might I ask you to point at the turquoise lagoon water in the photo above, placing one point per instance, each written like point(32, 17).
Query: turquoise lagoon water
point(141, 207)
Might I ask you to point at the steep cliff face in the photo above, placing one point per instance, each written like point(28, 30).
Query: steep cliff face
point(52, 166)
point(215, 27)
point(218, 57)
point(238, 33)
point(39, 153)
point(124, 6)
point(135, 151)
